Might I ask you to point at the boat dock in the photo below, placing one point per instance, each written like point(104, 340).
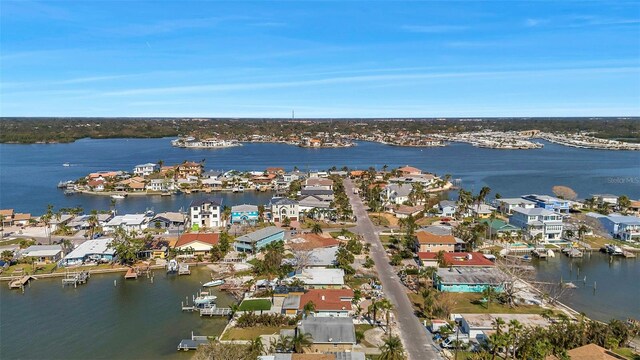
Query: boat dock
point(193, 343)
point(75, 278)
point(214, 311)
point(20, 282)
point(131, 274)
point(572, 252)
point(183, 269)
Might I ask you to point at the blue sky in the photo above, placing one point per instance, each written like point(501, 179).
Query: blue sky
point(323, 59)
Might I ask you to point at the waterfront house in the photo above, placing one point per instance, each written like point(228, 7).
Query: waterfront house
point(549, 203)
point(168, 221)
point(284, 208)
point(155, 249)
point(274, 170)
point(81, 222)
point(244, 214)
point(537, 221)
point(428, 242)
point(21, 219)
point(7, 217)
point(608, 199)
point(481, 211)
point(257, 240)
point(328, 302)
point(129, 222)
point(506, 205)
point(160, 185)
point(96, 185)
point(469, 279)
point(409, 170)
point(94, 251)
point(320, 278)
point(426, 180)
point(623, 227)
point(455, 259)
point(588, 352)
point(351, 355)
point(42, 253)
point(206, 213)
point(145, 170)
point(292, 176)
point(447, 208)
point(481, 326)
point(188, 168)
point(396, 193)
point(498, 228)
point(197, 243)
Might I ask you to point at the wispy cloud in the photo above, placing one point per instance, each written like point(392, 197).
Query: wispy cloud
point(535, 22)
point(433, 29)
point(172, 25)
point(228, 87)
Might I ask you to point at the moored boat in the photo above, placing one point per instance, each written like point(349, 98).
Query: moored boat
point(213, 283)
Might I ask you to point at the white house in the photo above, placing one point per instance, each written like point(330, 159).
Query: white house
point(284, 207)
point(91, 250)
point(619, 226)
point(146, 169)
point(538, 221)
point(396, 193)
point(206, 213)
point(446, 208)
point(160, 185)
point(129, 222)
point(506, 205)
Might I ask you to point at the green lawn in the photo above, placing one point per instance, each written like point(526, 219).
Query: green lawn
point(255, 305)
point(362, 328)
point(379, 220)
point(626, 352)
point(347, 233)
point(252, 332)
point(598, 242)
point(356, 282)
point(468, 303)
point(16, 241)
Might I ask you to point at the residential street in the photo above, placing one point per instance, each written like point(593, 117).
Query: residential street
point(414, 336)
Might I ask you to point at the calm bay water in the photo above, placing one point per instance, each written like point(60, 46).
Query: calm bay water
point(29, 173)
point(617, 286)
point(140, 320)
point(135, 319)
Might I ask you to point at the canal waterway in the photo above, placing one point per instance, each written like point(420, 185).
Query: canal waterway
point(616, 282)
point(135, 319)
point(29, 173)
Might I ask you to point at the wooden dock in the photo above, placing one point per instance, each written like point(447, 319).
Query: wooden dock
point(183, 269)
point(215, 311)
point(193, 343)
point(20, 282)
point(131, 274)
point(75, 278)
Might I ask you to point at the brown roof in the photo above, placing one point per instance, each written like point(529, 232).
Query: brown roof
point(313, 357)
point(459, 258)
point(588, 352)
point(313, 241)
point(635, 204)
point(188, 238)
point(425, 237)
point(20, 216)
point(331, 299)
point(408, 210)
point(357, 172)
point(410, 170)
point(319, 182)
point(6, 212)
point(94, 183)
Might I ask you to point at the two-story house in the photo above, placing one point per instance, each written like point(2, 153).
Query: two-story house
point(446, 208)
point(206, 213)
point(506, 205)
point(549, 203)
point(396, 193)
point(188, 168)
point(538, 221)
point(146, 169)
point(244, 214)
point(428, 242)
point(282, 208)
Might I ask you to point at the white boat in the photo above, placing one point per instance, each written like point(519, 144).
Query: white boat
point(118, 196)
point(613, 249)
point(172, 266)
point(66, 164)
point(238, 189)
point(204, 298)
point(213, 283)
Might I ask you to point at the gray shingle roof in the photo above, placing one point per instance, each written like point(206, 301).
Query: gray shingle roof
point(330, 330)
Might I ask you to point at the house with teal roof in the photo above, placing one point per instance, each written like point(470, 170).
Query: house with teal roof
point(498, 227)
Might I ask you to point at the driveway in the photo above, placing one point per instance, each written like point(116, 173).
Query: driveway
point(414, 336)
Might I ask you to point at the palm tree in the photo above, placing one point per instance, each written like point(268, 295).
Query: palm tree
point(373, 308)
point(46, 218)
point(497, 339)
point(385, 305)
point(316, 228)
point(301, 341)
point(309, 308)
point(256, 346)
point(489, 294)
point(93, 223)
point(392, 349)
point(283, 344)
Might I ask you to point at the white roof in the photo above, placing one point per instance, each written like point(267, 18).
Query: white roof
point(146, 165)
point(321, 276)
point(515, 201)
point(42, 250)
point(89, 247)
point(534, 211)
point(128, 219)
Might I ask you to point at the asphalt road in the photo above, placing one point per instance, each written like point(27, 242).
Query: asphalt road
point(414, 336)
